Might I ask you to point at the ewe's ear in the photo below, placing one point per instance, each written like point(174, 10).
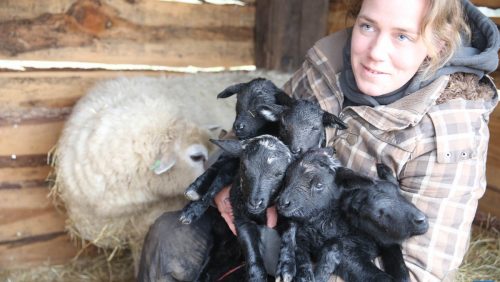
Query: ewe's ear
point(332, 120)
point(163, 163)
point(385, 173)
point(270, 112)
point(232, 147)
point(231, 90)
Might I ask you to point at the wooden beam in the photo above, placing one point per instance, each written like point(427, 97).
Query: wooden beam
point(286, 29)
point(118, 32)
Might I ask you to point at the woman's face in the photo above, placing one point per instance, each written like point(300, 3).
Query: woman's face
point(387, 48)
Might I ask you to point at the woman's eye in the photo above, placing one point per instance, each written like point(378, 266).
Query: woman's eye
point(366, 27)
point(402, 37)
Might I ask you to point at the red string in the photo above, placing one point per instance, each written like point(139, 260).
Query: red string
point(230, 271)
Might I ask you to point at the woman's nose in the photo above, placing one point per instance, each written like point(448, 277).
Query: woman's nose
point(380, 48)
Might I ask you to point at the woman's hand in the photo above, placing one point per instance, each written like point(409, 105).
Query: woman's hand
point(224, 206)
point(226, 211)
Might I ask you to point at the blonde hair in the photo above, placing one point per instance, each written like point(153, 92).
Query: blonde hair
point(442, 29)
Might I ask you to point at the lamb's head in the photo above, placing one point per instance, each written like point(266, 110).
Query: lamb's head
point(302, 124)
point(382, 211)
point(263, 162)
point(309, 186)
point(250, 95)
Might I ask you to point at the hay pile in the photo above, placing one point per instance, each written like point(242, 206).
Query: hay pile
point(482, 262)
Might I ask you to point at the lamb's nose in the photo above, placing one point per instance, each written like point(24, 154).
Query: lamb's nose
point(296, 150)
point(284, 204)
point(239, 126)
point(256, 203)
point(420, 219)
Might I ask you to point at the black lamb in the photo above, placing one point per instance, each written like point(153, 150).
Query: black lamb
point(318, 196)
point(261, 107)
point(263, 162)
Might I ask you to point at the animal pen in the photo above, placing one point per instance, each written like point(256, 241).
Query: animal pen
point(54, 52)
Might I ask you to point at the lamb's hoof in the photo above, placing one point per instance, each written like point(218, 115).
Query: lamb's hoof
point(185, 219)
point(192, 195)
point(284, 278)
point(285, 271)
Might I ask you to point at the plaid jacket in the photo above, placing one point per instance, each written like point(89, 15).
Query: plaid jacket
point(437, 151)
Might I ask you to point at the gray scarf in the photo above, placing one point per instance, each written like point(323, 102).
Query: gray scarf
point(479, 57)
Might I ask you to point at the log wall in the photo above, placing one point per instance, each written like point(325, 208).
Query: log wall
point(35, 103)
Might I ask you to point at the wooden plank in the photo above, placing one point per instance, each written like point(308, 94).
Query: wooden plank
point(488, 204)
point(493, 160)
point(35, 136)
point(286, 29)
point(96, 31)
point(15, 176)
point(143, 12)
point(487, 3)
point(337, 16)
point(50, 248)
point(28, 212)
point(21, 91)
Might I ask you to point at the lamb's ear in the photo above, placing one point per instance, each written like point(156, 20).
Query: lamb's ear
point(231, 90)
point(357, 202)
point(331, 120)
point(270, 112)
point(385, 173)
point(329, 151)
point(283, 99)
point(232, 147)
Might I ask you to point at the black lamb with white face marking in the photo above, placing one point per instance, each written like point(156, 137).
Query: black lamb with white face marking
point(318, 195)
point(263, 162)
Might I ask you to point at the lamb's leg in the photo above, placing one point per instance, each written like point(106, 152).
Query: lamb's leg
point(248, 236)
point(199, 187)
point(361, 268)
point(394, 264)
point(286, 269)
point(304, 265)
point(329, 260)
point(195, 209)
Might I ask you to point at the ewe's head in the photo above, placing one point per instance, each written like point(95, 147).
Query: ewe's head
point(264, 160)
point(302, 124)
point(309, 187)
point(382, 211)
point(180, 154)
point(250, 95)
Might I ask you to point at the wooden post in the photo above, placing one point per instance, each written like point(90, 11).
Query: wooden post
point(286, 29)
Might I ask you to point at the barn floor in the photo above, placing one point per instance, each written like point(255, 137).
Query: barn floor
point(481, 263)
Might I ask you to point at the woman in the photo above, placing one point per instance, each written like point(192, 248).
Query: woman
point(409, 80)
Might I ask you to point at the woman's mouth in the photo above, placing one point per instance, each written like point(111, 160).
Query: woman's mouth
point(372, 71)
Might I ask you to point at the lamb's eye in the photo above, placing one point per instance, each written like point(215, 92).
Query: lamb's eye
point(278, 173)
point(318, 186)
point(315, 128)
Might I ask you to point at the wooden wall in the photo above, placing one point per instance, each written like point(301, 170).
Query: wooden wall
point(35, 103)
